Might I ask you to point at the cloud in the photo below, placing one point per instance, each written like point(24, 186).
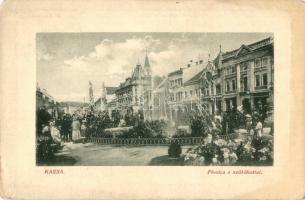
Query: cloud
point(110, 59)
point(177, 55)
point(111, 62)
point(46, 56)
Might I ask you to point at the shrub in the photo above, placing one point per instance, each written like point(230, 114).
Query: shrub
point(174, 150)
point(201, 124)
point(147, 129)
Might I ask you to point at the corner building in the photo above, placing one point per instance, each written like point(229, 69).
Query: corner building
point(247, 75)
point(135, 94)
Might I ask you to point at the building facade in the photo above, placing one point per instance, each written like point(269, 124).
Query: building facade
point(192, 92)
point(239, 78)
point(135, 94)
point(107, 96)
point(248, 76)
point(210, 86)
point(46, 101)
point(175, 81)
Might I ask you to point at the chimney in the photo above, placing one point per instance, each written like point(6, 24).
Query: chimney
point(188, 65)
point(200, 61)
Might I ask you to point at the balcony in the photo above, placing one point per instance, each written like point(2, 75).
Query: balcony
point(230, 92)
point(261, 68)
point(245, 72)
point(262, 87)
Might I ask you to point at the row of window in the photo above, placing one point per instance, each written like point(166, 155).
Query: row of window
point(244, 66)
point(177, 82)
point(231, 69)
point(260, 80)
point(125, 100)
point(231, 85)
point(261, 62)
point(194, 93)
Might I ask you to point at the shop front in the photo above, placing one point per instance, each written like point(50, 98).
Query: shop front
point(261, 98)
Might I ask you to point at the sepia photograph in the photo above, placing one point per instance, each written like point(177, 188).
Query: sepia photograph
point(154, 99)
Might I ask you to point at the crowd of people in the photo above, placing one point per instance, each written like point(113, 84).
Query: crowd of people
point(214, 151)
point(52, 131)
point(69, 127)
point(237, 118)
point(254, 147)
point(76, 126)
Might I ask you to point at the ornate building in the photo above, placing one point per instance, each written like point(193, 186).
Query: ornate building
point(241, 77)
point(211, 87)
point(248, 75)
point(135, 94)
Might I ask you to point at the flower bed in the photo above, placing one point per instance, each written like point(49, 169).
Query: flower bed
point(216, 151)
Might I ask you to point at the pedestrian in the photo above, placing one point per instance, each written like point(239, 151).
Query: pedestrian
point(55, 133)
point(65, 127)
point(83, 129)
point(43, 118)
point(69, 124)
point(259, 129)
point(75, 129)
point(233, 157)
point(248, 123)
point(224, 123)
point(226, 154)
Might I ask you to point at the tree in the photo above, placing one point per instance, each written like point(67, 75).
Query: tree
point(115, 115)
point(201, 122)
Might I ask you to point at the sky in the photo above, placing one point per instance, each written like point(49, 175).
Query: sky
point(66, 62)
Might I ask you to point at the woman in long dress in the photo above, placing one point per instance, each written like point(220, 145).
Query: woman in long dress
point(75, 129)
point(55, 133)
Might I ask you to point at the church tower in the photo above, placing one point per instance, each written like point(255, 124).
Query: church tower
point(147, 88)
point(147, 65)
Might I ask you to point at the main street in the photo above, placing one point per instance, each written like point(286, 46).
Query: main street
point(106, 155)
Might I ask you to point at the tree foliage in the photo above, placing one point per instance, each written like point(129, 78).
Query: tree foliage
point(201, 123)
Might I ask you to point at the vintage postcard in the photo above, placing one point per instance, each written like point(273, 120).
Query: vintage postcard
point(152, 100)
point(155, 99)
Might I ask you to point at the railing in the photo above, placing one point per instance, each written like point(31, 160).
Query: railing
point(229, 136)
point(230, 92)
point(154, 141)
point(261, 87)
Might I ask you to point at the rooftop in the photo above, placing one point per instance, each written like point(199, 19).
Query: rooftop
point(177, 72)
point(251, 47)
point(111, 90)
point(194, 79)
